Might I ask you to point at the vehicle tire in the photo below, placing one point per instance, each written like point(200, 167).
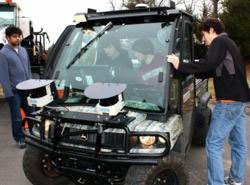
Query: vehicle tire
point(170, 171)
point(202, 122)
point(33, 166)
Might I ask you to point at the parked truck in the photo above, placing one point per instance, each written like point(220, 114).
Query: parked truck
point(104, 127)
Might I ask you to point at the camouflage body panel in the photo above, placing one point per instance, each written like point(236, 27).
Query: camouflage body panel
point(173, 125)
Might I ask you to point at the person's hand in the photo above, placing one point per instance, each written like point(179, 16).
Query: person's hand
point(44, 55)
point(173, 59)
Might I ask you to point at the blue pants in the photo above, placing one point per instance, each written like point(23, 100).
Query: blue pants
point(228, 120)
point(15, 103)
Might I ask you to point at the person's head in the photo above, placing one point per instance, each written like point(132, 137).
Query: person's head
point(110, 50)
point(110, 45)
point(13, 35)
point(210, 29)
point(143, 48)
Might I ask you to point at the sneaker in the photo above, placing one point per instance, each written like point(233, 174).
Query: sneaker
point(230, 181)
point(21, 144)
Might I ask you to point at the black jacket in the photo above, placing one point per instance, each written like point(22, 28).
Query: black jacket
point(225, 65)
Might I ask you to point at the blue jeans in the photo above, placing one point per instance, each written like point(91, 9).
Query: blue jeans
point(15, 103)
point(228, 119)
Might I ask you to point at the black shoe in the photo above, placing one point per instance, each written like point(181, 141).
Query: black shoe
point(21, 144)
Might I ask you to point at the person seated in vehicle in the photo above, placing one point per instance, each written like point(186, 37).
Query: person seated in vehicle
point(151, 62)
point(114, 56)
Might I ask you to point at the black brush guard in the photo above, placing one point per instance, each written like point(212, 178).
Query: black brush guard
point(69, 157)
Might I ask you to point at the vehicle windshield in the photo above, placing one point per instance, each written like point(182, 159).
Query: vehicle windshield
point(7, 15)
point(129, 54)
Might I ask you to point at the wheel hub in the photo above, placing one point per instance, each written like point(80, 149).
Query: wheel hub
point(48, 167)
point(166, 177)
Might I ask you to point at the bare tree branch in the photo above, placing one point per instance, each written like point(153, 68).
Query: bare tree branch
point(112, 4)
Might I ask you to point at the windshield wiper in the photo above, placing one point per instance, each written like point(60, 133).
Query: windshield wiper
point(85, 48)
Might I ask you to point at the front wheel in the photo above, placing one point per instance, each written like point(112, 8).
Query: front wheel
point(39, 168)
point(170, 171)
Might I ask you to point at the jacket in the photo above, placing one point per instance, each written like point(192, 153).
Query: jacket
point(224, 63)
point(15, 68)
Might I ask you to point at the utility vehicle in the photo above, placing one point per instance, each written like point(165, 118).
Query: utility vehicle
point(109, 127)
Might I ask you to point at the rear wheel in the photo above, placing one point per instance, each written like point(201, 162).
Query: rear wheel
point(39, 168)
point(170, 171)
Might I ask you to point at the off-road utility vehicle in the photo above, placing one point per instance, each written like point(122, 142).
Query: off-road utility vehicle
point(111, 124)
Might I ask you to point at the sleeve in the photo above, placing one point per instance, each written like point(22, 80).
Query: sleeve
point(4, 76)
point(215, 55)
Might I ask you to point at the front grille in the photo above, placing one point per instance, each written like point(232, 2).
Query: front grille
point(112, 140)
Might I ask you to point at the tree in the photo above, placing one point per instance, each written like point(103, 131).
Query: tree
point(206, 10)
point(189, 5)
point(130, 4)
point(215, 7)
point(236, 17)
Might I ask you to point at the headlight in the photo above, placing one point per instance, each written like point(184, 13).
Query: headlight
point(147, 140)
point(149, 144)
point(161, 140)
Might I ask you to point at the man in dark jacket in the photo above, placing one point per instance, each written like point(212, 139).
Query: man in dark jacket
point(224, 64)
point(15, 68)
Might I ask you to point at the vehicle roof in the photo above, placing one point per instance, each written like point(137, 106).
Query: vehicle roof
point(9, 4)
point(133, 16)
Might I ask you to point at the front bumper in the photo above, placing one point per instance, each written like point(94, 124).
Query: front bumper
point(78, 143)
point(71, 152)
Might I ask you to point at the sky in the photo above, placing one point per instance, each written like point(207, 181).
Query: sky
point(54, 15)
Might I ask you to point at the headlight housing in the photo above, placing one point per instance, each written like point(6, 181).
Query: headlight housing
point(150, 144)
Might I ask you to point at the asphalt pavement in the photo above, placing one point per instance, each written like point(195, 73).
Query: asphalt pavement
point(11, 172)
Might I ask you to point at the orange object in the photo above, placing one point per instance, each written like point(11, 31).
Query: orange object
point(60, 93)
point(226, 101)
point(23, 115)
point(8, 1)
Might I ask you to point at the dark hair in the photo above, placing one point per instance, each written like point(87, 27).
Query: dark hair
point(143, 46)
point(214, 23)
point(13, 30)
point(110, 40)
